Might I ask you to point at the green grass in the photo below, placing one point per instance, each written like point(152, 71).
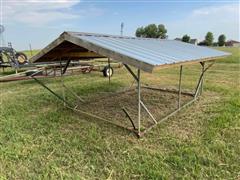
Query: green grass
point(40, 139)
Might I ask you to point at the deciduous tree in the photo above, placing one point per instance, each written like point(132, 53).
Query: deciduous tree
point(209, 39)
point(221, 40)
point(186, 38)
point(152, 31)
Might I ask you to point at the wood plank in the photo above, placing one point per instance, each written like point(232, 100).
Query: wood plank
point(75, 55)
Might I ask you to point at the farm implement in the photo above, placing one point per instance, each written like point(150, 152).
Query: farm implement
point(9, 57)
point(54, 70)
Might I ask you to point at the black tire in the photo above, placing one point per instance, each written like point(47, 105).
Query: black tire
point(21, 58)
point(107, 71)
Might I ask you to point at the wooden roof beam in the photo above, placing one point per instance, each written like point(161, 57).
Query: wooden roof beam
point(75, 55)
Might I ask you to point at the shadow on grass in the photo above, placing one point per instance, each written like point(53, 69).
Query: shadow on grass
point(60, 114)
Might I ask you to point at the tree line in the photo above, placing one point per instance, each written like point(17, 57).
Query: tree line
point(159, 31)
point(152, 31)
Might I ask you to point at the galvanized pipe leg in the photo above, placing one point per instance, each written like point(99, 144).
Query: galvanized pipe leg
point(198, 85)
point(129, 117)
point(180, 88)
point(149, 113)
point(139, 102)
point(200, 81)
point(203, 68)
point(62, 85)
point(109, 77)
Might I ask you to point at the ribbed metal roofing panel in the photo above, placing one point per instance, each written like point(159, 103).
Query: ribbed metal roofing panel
point(153, 51)
point(142, 53)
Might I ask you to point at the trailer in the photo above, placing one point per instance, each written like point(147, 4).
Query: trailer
point(49, 70)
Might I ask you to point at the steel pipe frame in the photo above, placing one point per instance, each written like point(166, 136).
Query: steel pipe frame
point(137, 77)
point(203, 68)
point(109, 66)
point(174, 91)
point(200, 81)
point(180, 87)
point(196, 95)
point(140, 103)
point(74, 108)
point(61, 79)
point(98, 117)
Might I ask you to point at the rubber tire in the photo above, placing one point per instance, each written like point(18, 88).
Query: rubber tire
point(18, 54)
point(105, 71)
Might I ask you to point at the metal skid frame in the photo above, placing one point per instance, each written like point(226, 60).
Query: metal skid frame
point(140, 104)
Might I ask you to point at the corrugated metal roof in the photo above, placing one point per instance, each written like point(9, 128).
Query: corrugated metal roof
point(143, 51)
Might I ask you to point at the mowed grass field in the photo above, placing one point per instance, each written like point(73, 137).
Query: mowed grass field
point(40, 139)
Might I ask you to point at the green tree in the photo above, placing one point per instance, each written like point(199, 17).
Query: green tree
point(152, 31)
point(221, 40)
point(186, 38)
point(140, 32)
point(162, 31)
point(209, 39)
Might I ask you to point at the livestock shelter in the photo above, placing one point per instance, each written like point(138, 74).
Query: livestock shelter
point(142, 54)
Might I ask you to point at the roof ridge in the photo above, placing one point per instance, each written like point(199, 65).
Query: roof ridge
point(109, 35)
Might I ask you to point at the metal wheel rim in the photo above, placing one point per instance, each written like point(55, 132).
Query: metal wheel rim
point(109, 72)
point(21, 59)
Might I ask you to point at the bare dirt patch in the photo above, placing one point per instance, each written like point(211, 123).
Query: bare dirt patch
point(110, 105)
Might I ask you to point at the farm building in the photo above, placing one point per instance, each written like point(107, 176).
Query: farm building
point(192, 41)
point(232, 43)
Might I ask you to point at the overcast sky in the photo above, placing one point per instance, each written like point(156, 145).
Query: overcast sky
point(41, 21)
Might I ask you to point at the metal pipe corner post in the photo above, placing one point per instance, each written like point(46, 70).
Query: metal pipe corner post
point(200, 81)
point(180, 87)
point(139, 103)
point(203, 69)
point(62, 84)
point(109, 73)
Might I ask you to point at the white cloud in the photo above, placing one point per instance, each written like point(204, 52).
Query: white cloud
point(221, 19)
point(216, 10)
point(44, 12)
point(217, 14)
point(40, 4)
point(39, 18)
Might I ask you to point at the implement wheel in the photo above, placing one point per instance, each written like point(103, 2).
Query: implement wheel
point(21, 58)
point(107, 71)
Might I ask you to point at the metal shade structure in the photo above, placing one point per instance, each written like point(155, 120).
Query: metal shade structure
point(142, 53)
